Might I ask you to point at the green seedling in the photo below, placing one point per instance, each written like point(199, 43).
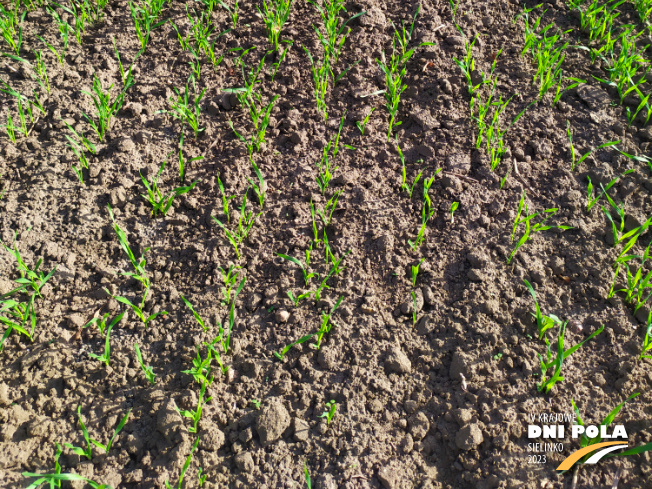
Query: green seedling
point(454, 207)
point(201, 369)
point(547, 384)
point(104, 109)
point(63, 26)
point(275, 14)
point(195, 414)
point(361, 125)
point(245, 224)
point(298, 298)
point(224, 335)
point(194, 313)
point(255, 403)
point(575, 160)
point(232, 11)
point(280, 355)
point(229, 278)
point(324, 166)
point(11, 26)
point(529, 228)
point(260, 187)
point(184, 469)
point(585, 441)
point(647, 341)
point(315, 232)
point(467, 64)
point(544, 323)
point(101, 322)
point(137, 309)
point(154, 196)
point(79, 25)
point(139, 264)
point(29, 278)
point(19, 314)
point(225, 199)
point(414, 309)
point(185, 110)
point(415, 272)
point(454, 6)
point(326, 323)
point(87, 452)
point(281, 58)
point(410, 190)
point(592, 196)
point(326, 215)
point(51, 479)
point(90, 147)
point(421, 234)
point(331, 407)
point(304, 270)
point(147, 369)
point(306, 474)
point(636, 286)
point(104, 357)
point(144, 17)
point(54, 480)
point(53, 50)
point(126, 76)
point(201, 477)
point(182, 162)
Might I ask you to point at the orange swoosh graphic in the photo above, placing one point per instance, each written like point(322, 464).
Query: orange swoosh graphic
point(570, 460)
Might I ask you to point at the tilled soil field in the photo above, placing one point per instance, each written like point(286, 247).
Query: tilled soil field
point(434, 375)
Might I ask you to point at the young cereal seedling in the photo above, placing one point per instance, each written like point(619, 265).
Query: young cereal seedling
point(276, 13)
point(414, 309)
point(101, 322)
point(280, 355)
point(421, 234)
point(575, 160)
point(104, 109)
point(154, 196)
point(415, 272)
point(256, 404)
point(306, 474)
point(137, 309)
point(592, 196)
point(585, 441)
point(544, 323)
point(232, 11)
point(55, 480)
point(325, 172)
point(11, 26)
point(230, 278)
point(454, 207)
point(185, 110)
point(245, 224)
point(138, 264)
point(361, 125)
point(260, 187)
point(548, 363)
point(304, 269)
point(21, 313)
point(182, 162)
point(225, 199)
point(529, 228)
point(194, 313)
point(647, 341)
point(326, 323)
point(147, 369)
point(195, 414)
point(87, 452)
point(201, 369)
point(107, 347)
point(184, 469)
point(331, 407)
point(144, 17)
point(33, 278)
point(224, 334)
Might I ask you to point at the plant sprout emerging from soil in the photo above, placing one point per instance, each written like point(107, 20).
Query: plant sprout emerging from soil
point(306, 474)
point(415, 272)
point(260, 187)
point(326, 323)
point(144, 16)
point(232, 11)
point(225, 199)
point(245, 224)
point(229, 278)
point(195, 414)
point(396, 69)
point(87, 452)
point(184, 469)
point(29, 278)
point(255, 403)
point(156, 199)
point(104, 108)
point(575, 160)
point(529, 228)
point(331, 407)
point(304, 268)
point(585, 441)
point(544, 323)
point(280, 355)
point(548, 363)
point(11, 27)
point(414, 309)
point(276, 13)
point(147, 369)
point(454, 207)
point(363, 124)
point(187, 109)
point(592, 196)
point(183, 162)
point(647, 340)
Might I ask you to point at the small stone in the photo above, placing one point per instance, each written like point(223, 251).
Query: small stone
point(388, 477)
point(397, 361)
point(272, 422)
point(244, 462)
point(327, 358)
point(76, 321)
point(211, 440)
point(428, 295)
point(419, 426)
point(126, 145)
point(301, 429)
point(469, 437)
point(282, 316)
point(407, 307)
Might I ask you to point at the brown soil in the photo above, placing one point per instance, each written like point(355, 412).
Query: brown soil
point(404, 417)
